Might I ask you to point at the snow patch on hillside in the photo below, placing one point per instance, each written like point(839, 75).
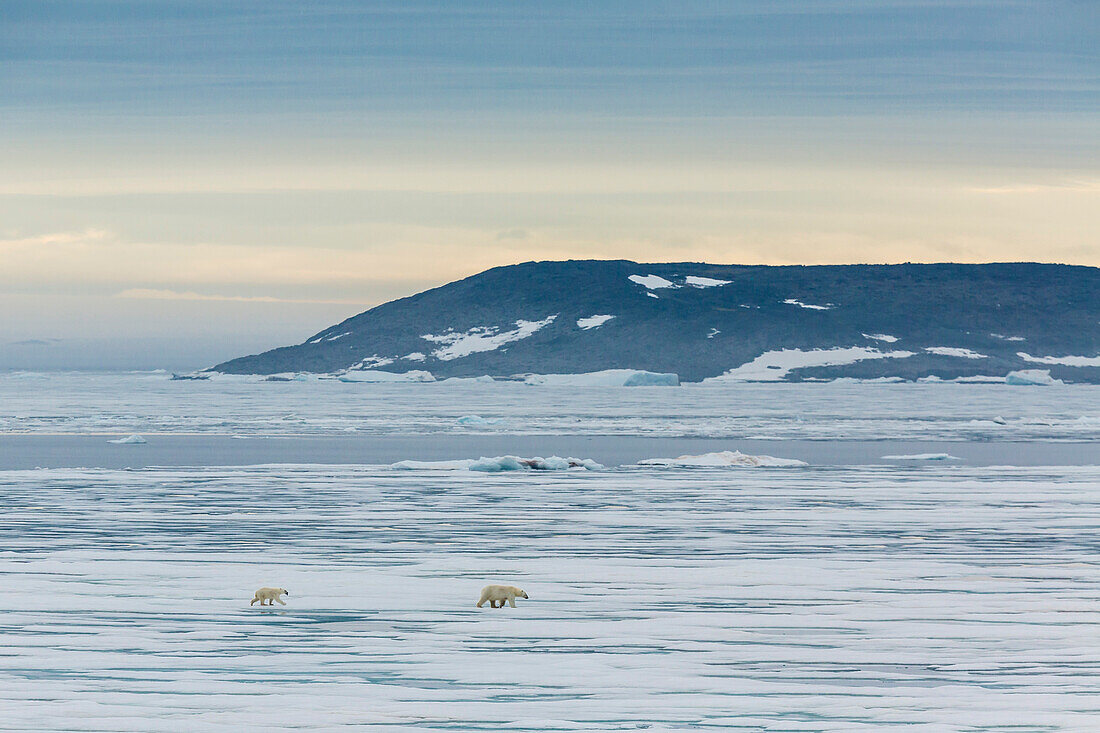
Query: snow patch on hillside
point(652, 282)
point(705, 282)
point(810, 306)
point(373, 361)
point(593, 321)
point(713, 332)
point(774, 366)
point(415, 356)
point(880, 337)
point(482, 338)
point(1076, 361)
point(955, 351)
point(1007, 338)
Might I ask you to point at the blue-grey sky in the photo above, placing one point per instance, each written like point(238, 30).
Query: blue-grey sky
point(241, 174)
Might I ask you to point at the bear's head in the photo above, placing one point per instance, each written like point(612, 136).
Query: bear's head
point(523, 593)
point(284, 591)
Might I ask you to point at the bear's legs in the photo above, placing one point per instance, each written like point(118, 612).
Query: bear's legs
point(511, 602)
point(253, 601)
point(280, 600)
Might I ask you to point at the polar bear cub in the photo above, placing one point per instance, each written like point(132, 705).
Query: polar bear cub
point(498, 594)
point(270, 595)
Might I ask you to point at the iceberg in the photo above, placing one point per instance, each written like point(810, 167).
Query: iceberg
point(1031, 377)
point(606, 378)
point(376, 376)
point(483, 379)
point(722, 459)
point(129, 440)
point(502, 463)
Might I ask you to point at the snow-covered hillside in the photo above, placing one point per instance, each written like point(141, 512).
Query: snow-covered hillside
point(740, 323)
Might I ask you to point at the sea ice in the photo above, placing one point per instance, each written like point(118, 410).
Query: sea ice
point(722, 459)
point(606, 378)
point(922, 457)
point(478, 420)
point(502, 463)
point(880, 337)
point(374, 376)
point(129, 440)
point(483, 379)
point(1031, 377)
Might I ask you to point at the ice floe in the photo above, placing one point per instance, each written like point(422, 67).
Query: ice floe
point(880, 337)
point(954, 351)
point(1026, 377)
point(593, 321)
point(129, 440)
point(606, 378)
point(377, 376)
point(773, 366)
point(1007, 338)
point(922, 457)
point(722, 459)
point(478, 420)
point(1075, 361)
point(457, 344)
point(483, 379)
point(502, 463)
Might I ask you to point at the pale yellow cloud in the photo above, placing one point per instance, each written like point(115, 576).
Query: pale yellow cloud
point(161, 294)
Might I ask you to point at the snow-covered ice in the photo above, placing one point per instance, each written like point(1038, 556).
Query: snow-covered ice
point(152, 404)
point(502, 463)
point(922, 457)
point(457, 344)
point(1028, 377)
point(593, 321)
point(375, 376)
point(926, 598)
point(772, 366)
point(722, 459)
point(129, 440)
point(478, 420)
point(606, 378)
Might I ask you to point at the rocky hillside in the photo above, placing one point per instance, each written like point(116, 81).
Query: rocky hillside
point(746, 322)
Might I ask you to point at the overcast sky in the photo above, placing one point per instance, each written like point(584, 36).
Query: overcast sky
point(182, 182)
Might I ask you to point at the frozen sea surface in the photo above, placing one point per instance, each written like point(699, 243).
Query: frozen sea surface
point(942, 598)
point(839, 596)
point(124, 404)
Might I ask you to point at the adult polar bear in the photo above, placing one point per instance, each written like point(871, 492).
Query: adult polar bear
point(498, 594)
point(270, 595)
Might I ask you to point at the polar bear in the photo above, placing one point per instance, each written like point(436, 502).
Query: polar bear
point(270, 595)
point(498, 594)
